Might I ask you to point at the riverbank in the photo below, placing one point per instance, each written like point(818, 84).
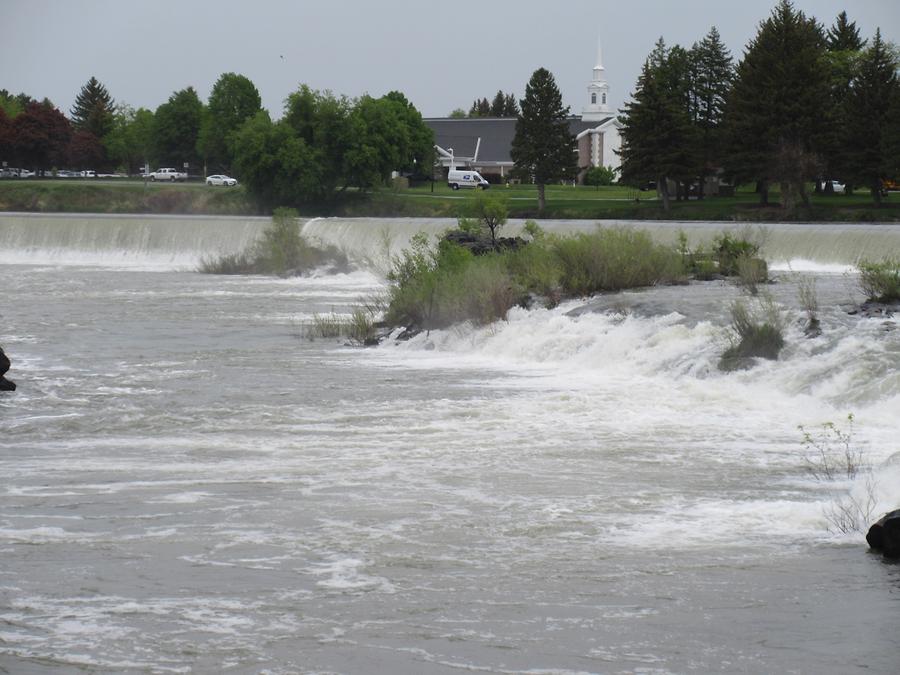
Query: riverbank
point(563, 202)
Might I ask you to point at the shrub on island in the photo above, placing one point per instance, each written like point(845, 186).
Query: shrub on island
point(280, 251)
point(880, 281)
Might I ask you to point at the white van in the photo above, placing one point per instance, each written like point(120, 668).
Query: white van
point(465, 178)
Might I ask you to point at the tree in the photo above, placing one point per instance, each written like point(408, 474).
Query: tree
point(774, 118)
point(420, 154)
point(869, 132)
point(457, 114)
point(10, 104)
point(480, 108)
point(85, 150)
point(322, 120)
point(843, 56)
point(176, 129)
point(93, 109)
point(510, 106)
point(658, 139)
point(233, 100)
point(276, 165)
point(712, 75)
point(130, 143)
point(498, 105)
point(543, 148)
point(488, 211)
point(6, 143)
point(844, 36)
point(40, 137)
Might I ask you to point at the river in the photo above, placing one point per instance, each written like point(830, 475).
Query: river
point(190, 484)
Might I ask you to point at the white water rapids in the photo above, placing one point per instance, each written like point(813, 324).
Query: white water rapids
point(190, 485)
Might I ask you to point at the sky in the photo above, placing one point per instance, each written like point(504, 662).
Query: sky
point(441, 55)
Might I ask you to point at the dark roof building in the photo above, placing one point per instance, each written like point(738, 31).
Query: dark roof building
point(484, 143)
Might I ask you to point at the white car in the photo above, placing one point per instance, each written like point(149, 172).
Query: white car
point(836, 186)
point(219, 179)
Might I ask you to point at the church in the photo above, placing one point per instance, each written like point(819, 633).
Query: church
point(484, 143)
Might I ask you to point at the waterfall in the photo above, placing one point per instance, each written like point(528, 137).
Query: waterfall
point(142, 240)
point(170, 241)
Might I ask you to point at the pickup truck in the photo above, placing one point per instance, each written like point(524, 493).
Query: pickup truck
point(166, 174)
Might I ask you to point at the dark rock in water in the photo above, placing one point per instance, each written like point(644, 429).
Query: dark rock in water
point(813, 328)
point(481, 245)
point(875, 310)
point(5, 385)
point(884, 535)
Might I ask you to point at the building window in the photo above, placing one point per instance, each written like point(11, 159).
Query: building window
point(593, 99)
point(604, 99)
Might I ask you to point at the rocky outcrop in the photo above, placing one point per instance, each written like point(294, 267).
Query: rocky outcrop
point(884, 535)
point(481, 245)
point(5, 385)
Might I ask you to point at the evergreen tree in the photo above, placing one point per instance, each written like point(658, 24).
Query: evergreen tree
point(712, 75)
point(543, 147)
point(844, 52)
point(870, 130)
point(510, 106)
point(498, 105)
point(480, 108)
point(657, 136)
point(844, 36)
point(773, 114)
point(93, 110)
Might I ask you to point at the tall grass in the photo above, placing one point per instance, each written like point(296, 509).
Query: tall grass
point(434, 287)
point(756, 332)
point(281, 251)
point(880, 281)
point(613, 259)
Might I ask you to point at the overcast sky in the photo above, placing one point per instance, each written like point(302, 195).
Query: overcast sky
point(442, 55)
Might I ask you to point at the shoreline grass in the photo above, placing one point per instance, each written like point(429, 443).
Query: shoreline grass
point(563, 202)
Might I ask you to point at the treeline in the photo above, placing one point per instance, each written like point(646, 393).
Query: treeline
point(502, 105)
point(805, 103)
point(322, 145)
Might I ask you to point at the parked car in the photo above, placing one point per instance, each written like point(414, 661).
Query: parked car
point(88, 174)
point(219, 179)
point(836, 186)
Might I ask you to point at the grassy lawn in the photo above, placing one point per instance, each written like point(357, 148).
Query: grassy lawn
point(120, 196)
point(619, 202)
point(563, 201)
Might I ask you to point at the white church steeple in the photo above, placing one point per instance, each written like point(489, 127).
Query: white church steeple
point(597, 107)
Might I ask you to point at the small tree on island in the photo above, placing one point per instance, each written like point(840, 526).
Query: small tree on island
point(543, 147)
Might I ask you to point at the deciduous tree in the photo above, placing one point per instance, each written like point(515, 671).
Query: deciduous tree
point(233, 100)
point(176, 129)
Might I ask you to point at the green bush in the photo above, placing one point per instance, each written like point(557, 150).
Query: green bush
point(613, 259)
point(437, 288)
point(281, 251)
point(600, 175)
point(880, 281)
point(756, 333)
point(729, 250)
